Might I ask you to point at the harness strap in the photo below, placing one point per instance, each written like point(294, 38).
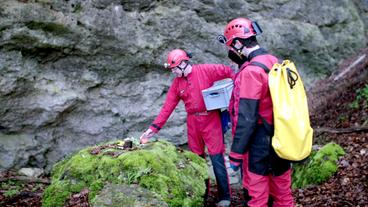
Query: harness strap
point(261, 65)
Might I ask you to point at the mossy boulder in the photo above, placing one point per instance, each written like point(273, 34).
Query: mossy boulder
point(320, 166)
point(174, 176)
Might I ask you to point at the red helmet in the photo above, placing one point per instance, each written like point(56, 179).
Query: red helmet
point(240, 28)
point(175, 57)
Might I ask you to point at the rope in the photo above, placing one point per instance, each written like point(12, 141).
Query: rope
point(292, 77)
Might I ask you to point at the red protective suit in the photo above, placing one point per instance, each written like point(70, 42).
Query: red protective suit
point(204, 127)
point(252, 118)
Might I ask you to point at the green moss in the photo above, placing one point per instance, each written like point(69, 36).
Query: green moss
point(56, 194)
point(319, 167)
point(175, 175)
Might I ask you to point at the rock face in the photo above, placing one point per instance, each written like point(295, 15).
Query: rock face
point(165, 175)
point(75, 73)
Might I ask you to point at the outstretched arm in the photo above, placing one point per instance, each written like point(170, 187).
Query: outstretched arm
point(172, 99)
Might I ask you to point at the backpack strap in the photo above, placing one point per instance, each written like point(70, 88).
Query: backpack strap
point(268, 127)
point(292, 77)
point(261, 65)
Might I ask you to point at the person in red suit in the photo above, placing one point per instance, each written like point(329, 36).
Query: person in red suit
point(264, 173)
point(203, 127)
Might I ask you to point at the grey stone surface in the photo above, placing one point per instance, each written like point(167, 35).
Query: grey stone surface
point(31, 172)
point(79, 72)
point(113, 195)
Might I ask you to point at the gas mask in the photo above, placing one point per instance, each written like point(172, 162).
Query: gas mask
point(184, 70)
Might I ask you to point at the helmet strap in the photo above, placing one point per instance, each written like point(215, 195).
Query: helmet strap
point(238, 50)
point(240, 45)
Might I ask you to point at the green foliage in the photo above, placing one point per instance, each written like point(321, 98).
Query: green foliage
point(11, 193)
point(175, 175)
point(319, 167)
point(361, 98)
point(11, 188)
point(342, 118)
point(363, 93)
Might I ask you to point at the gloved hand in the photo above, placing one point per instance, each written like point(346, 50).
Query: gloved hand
point(146, 136)
point(234, 166)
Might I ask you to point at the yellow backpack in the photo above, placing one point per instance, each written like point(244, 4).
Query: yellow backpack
point(293, 136)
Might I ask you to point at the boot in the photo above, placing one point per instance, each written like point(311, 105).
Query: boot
point(246, 197)
point(270, 201)
point(207, 192)
point(223, 203)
